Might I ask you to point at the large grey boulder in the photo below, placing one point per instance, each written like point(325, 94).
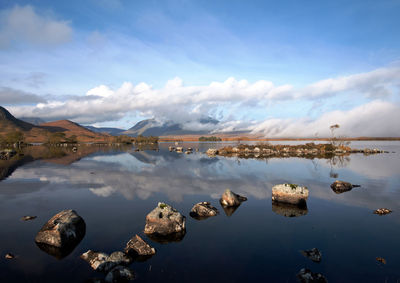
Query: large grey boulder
point(61, 234)
point(229, 198)
point(203, 210)
point(341, 187)
point(164, 220)
point(290, 193)
point(103, 262)
point(138, 247)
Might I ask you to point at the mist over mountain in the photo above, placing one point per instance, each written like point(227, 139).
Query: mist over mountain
point(153, 127)
point(33, 120)
point(107, 130)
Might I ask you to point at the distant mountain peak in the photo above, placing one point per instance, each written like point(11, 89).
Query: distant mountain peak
point(153, 127)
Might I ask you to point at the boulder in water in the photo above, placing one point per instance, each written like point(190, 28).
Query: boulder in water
point(229, 198)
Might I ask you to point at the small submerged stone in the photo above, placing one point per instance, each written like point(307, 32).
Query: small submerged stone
point(382, 211)
point(28, 217)
point(119, 258)
point(103, 262)
point(138, 247)
point(97, 260)
point(229, 198)
point(120, 274)
point(381, 260)
point(307, 276)
point(341, 186)
point(313, 254)
point(203, 210)
point(290, 193)
point(9, 256)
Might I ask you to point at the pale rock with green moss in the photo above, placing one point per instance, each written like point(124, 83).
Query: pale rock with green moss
point(164, 220)
point(290, 193)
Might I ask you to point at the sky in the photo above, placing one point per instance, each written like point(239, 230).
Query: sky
point(274, 68)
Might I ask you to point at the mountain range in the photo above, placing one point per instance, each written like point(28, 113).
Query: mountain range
point(40, 133)
point(35, 129)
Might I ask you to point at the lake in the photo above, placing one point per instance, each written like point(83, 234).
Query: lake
point(113, 189)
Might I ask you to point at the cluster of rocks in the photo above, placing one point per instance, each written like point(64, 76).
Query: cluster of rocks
point(63, 232)
point(6, 154)
point(60, 235)
point(212, 152)
point(180, 149)
point(305, 275)
point(308, 150)
point(115, 266)
point(382, 211)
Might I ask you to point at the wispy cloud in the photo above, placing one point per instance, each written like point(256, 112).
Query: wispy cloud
point(14, 96)
point(23, 23)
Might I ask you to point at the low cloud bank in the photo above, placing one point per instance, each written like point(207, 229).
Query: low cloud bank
point(188, 105)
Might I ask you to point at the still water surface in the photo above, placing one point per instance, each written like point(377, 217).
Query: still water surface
point(114, 189)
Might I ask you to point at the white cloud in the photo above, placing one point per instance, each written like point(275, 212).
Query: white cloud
point(372, 84)
point(188, 104)
point(22, 23)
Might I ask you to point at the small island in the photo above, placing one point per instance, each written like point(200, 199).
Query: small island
point(308, 150)
point(212, 139)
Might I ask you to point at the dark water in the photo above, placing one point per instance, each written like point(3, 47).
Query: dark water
point(114, 189)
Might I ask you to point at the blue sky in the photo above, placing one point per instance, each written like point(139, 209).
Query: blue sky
point(321, 57)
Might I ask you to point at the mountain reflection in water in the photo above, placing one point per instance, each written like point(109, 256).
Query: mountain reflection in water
point(114, 188)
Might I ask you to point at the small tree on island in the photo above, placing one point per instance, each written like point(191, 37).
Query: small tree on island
point(338, 142)
point(333, 128)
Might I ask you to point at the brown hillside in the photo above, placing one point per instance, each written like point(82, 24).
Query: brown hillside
point(70, 128)
point(8, 123)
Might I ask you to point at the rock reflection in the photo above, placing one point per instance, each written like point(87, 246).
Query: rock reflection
point(165, 239)
point(58, 155)
point(229, 210)
point(62, 252)
point(289, 210)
